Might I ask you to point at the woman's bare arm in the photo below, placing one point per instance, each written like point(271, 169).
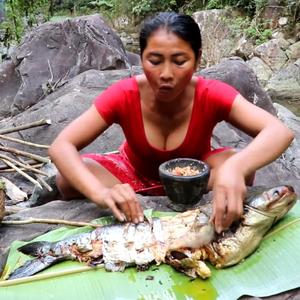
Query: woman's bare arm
point(64, 152)
point(271, 139)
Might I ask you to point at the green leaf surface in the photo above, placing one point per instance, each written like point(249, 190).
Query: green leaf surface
point(272, 269)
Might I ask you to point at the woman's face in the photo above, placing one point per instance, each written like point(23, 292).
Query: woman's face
point(169, 63)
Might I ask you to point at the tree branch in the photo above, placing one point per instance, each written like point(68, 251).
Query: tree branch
point(24, 166)
point(22, 172)
point(4, 137)
point(26, 126)
point(26, 154)
point(50, 221)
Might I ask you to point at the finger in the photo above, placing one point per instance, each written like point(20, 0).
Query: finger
point(121, 202)
point(128, 202)
point(116, 212)
point(219, 208)
point(241, 203)
point(240, 207)
point(134, 204)
point(232, 208)
point(137, 213)
point(140, 211)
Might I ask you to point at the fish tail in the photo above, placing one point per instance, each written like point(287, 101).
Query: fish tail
point(35, 248)
point(34, 266)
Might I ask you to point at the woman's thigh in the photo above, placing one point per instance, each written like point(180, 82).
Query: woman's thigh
point(103, 175)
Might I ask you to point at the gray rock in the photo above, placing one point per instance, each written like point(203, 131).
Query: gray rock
point(273, 53)
point(293, 52)
point(218, 37)
point(54, 52)
point(285, 84)
point(9, 85)
point(235, 72)
point(261, 69)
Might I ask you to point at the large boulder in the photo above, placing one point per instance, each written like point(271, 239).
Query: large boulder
point(273, 53)
point(9, 84)
point(236, 72)
point(55, 52)
point(285, 84)
point(219, 39)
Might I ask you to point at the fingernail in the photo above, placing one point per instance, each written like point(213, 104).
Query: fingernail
point(141, 219)
point(135, 220)
point(219, 229)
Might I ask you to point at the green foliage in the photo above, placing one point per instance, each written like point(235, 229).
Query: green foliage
point(20, 14)
point(142, 8)
point(250, 7)
point(258, 32)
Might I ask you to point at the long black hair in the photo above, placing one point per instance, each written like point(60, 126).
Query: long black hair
point(182, 25)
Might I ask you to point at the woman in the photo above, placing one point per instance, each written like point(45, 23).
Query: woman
point(165, 113)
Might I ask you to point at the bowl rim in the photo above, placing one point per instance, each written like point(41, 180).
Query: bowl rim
point(206, 169)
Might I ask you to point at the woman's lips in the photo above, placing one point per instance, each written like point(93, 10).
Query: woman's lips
point(165, 88)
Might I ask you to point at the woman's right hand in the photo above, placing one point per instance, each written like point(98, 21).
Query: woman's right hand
point(123, 202)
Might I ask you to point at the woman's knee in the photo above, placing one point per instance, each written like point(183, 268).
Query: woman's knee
point(65, 188)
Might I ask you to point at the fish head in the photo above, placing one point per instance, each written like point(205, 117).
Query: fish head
point(276, 201)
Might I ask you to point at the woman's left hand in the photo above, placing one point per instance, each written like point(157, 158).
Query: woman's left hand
point(229, 191)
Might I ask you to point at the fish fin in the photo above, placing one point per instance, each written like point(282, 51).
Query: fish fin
point(34, 266)
point(35, 248)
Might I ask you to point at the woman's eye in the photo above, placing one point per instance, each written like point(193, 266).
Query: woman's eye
point(180, 63)
point(154, 62)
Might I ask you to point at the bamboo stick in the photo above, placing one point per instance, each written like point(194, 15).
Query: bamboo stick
point(24, 166)
point(22, 173)
point(9, 170)
point(4, 137)
point(48, 275)
point(28, 162)
point(44, 183)
point(26, 126)
point(26, 154)
point(50, 221)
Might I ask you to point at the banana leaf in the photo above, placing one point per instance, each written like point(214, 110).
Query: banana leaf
point(273, 268)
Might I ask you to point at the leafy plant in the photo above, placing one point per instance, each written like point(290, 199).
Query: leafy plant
point(251, 28)
point(22, 13)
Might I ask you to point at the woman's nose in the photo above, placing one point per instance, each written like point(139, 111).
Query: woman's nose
point(166, 72)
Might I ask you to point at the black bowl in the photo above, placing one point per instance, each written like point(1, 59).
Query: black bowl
point(184, 190)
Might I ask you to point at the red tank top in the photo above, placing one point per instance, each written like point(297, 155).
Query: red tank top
point(121, 104)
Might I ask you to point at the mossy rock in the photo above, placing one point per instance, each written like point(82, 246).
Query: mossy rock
point(2, 185)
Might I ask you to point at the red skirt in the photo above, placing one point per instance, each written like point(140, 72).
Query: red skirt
point(119, 165)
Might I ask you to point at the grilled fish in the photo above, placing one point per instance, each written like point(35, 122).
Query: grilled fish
point(261, 210)
point(120, 245)
point(183, 241)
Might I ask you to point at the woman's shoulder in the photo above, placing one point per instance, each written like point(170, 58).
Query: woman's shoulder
point(210, 83)
point(126, 84)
